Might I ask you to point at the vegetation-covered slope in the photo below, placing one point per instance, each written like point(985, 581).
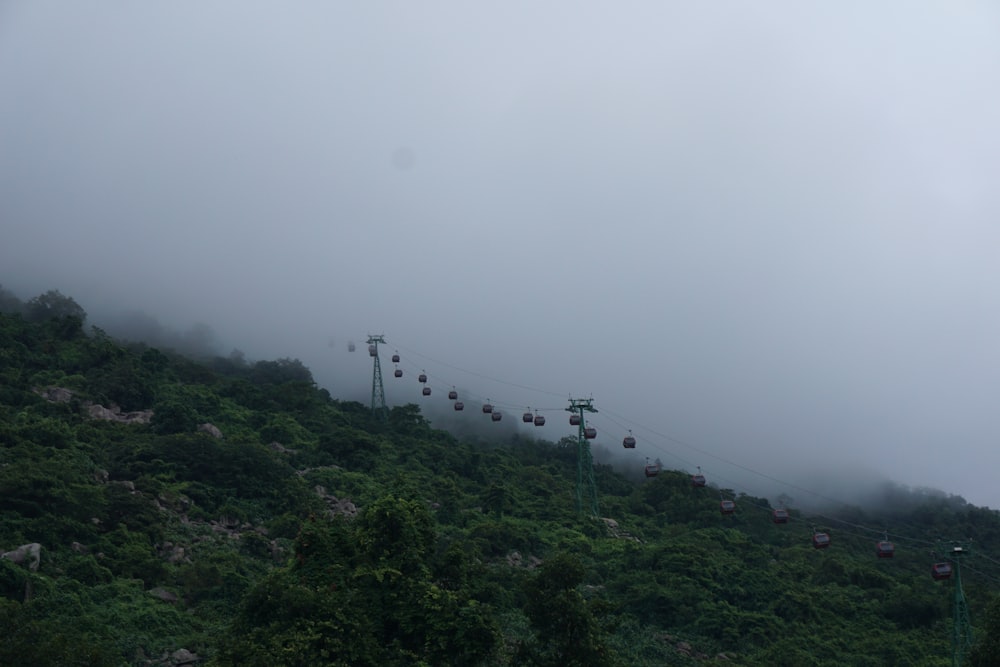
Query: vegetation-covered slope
point(310, 533)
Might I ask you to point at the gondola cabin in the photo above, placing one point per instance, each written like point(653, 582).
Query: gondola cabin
point(459, 406)
point(539, 420)
point(727, 507)
point(885, 549)
point(574, 420)
point(398, 373)
point(628, 442)
point(372, 351)
point(452, 395)
point(590, 433)
point(496, 416)
point(426, 391)
point(652, 470)
point(422, 377)
point(941, 571)
point(698, 481)
point(779, 516)
point(527, 417)
point(487, 408)
point(821, 540)
point(395, 358)
point(350, 347)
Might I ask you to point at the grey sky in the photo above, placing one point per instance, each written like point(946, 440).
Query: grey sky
point(765, 229)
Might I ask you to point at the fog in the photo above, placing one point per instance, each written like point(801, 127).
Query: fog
point(762, 236)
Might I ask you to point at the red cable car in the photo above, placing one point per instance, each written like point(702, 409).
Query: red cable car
point(459, 406)
point(427, 391)
point(527, 417)
point(452, 395)
point(885, 549)
point(779, 515)
point(652, 470)
point(629, 441)
point(487, 408)
point(539, 420)
point(590, 433)
point(395, 358)
point(821, 540)
point(496, 416)
point(727, 507)
point(398, 373)
point(941, 571)
point(574, 420)
point(698, 481)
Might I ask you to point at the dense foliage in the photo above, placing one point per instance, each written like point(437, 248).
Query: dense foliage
point(311, 533)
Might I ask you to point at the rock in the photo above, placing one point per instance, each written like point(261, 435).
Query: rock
point(281, 449)
point(55, 394)
point(211, 429)
point(79, 548)
point(163, 594)
point(114, 414)
point(30, 554)
point(183, 657)
point(514, 559)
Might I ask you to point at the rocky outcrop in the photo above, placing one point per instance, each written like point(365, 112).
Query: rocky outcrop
point(336, 506)
point(211, 429)
point(115, 414)
point(26, 554)
point(55, 394)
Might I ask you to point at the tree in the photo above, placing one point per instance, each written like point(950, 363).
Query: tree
point(54, 305)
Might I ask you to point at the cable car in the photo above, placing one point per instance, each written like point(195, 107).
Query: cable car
point(727, 507)
point(779, 515)
point(539, 420)
point(941, 571)
point(422, 377)
point(487, 408)
point(821, 540)
point(652, 470)
point(527, 417)
point(398, 373)
point(496, 416)
point(698, 481)
point(372, 351)
point(452, 395)
point(350, 346)
point(629, 441)
point(590, 433)
point(459, 406)
point(395, 358)
point(574, 420)
point(885, 549)
point(427, 391)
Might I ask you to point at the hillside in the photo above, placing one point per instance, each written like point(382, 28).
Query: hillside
point(233, 513)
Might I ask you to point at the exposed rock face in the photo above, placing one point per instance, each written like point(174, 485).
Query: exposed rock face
point(163, 594)
point(115, 414)
point(336, 506)
point(211, 429)
point(29, 554)
point(55, 394)
point(281, 449)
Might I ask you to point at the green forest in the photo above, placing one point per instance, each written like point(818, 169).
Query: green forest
point(227, 512)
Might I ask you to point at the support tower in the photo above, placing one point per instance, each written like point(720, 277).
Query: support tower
point(961, 627)
point(379, 409)
point(585, 485)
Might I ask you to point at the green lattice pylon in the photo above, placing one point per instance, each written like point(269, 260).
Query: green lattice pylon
point(379, 409)
point(585, 485)
point(961, 626)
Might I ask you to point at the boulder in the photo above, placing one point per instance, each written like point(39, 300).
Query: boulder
point(211, 429)
point(26, 554)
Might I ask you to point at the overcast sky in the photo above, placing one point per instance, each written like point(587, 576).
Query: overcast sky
point(763, 234)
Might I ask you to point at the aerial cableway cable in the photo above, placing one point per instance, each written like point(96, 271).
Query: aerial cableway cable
point(627, 426)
